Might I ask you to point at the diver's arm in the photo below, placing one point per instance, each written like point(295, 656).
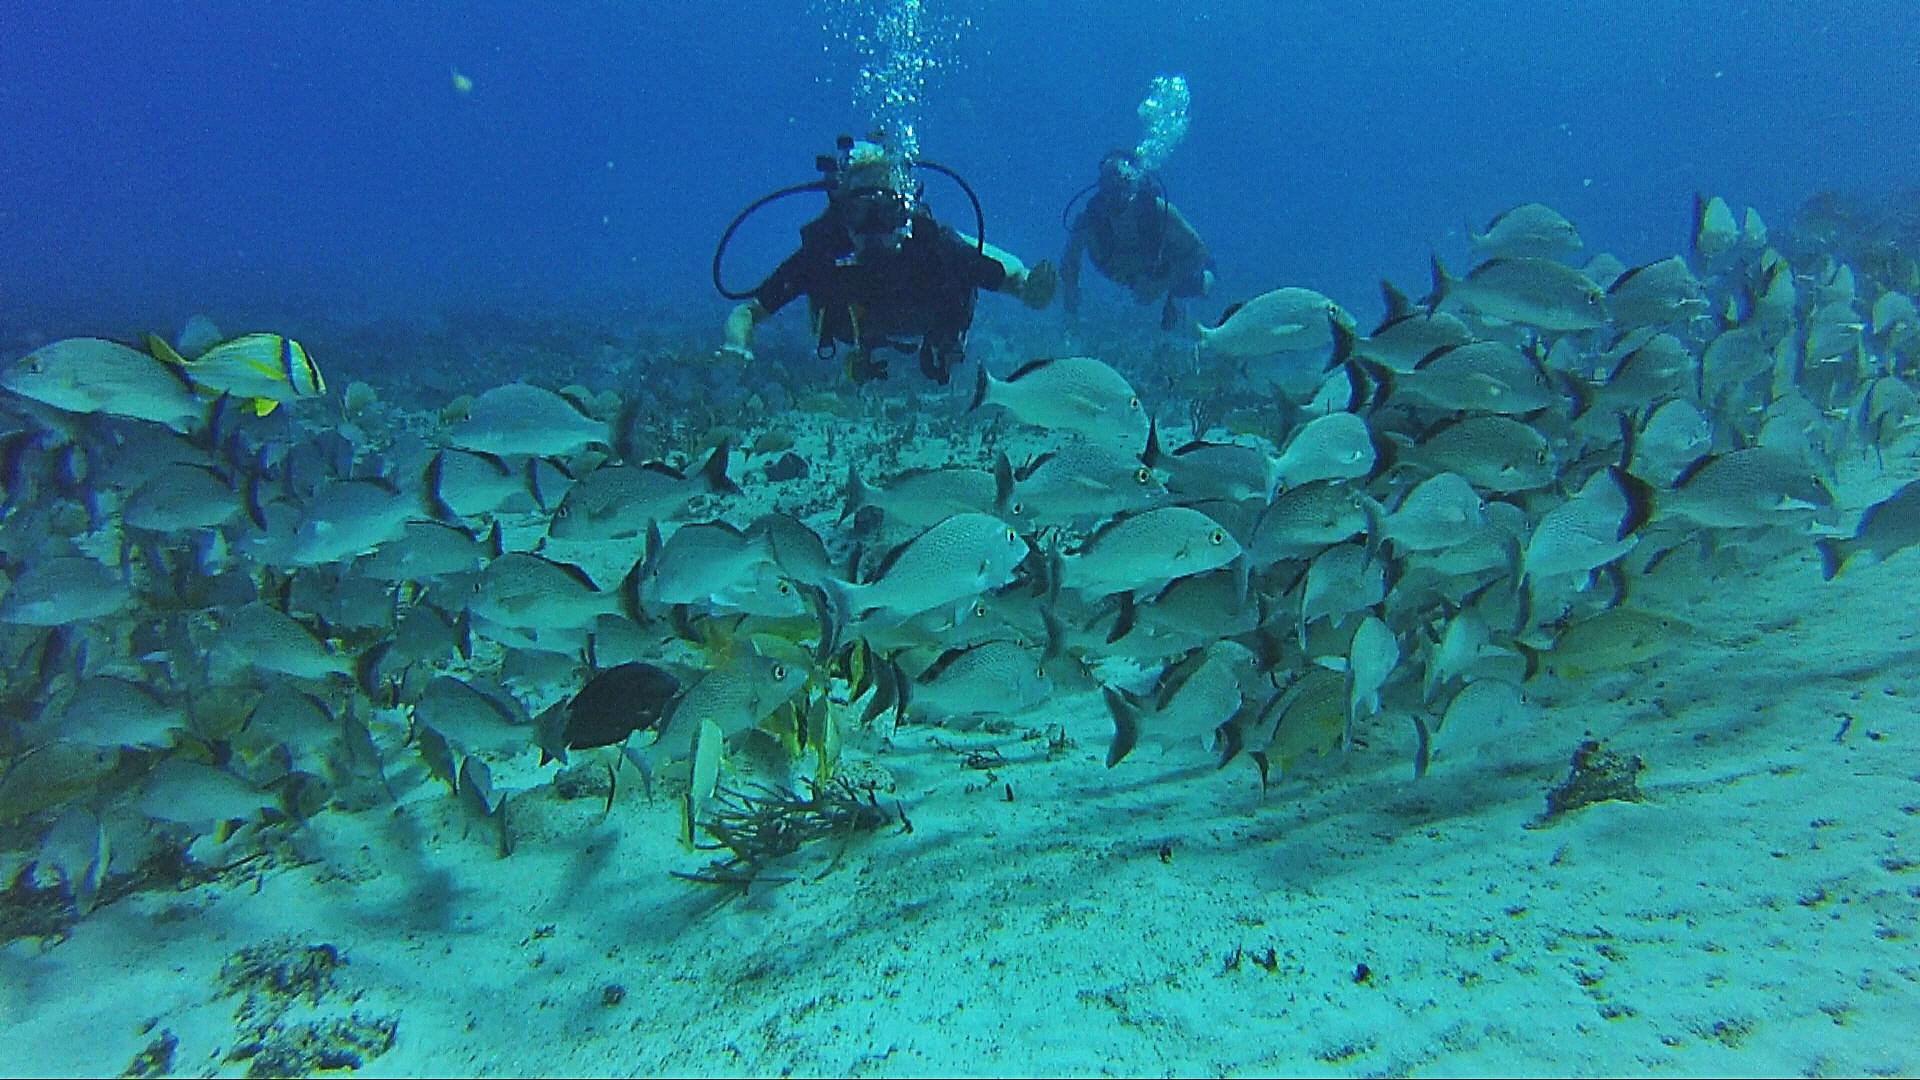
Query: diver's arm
point(999, 270)
point(787, 282)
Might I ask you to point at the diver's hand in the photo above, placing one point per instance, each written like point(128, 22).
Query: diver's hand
point(737, 339)
point(1038, 285)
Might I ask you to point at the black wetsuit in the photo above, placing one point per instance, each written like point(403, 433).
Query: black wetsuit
point(920, 296)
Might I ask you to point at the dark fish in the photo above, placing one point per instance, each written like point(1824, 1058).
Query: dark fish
point(613, 705)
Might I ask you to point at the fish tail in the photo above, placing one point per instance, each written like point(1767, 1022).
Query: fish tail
point(1442, 283)
point(630, 605)
point(1003, 501)
point(856, 495)
point(1833, 558)
point(1344, 340)
point(430, 491)
point(714, 472)
point(1126, 725)
point(982, 383)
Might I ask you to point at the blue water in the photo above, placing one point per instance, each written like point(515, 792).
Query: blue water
point(313, 164)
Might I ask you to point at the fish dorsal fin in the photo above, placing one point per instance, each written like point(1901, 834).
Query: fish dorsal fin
point(1176, 676)
point(1032, 466)
point(1628, 275)
point(944, 661)
point(1029, 368)
point(1693, 469)
point(1398, 306)
point(1232, 310)
point(663, 469)
point(1436, 354)
point(158, 346)
point(893, 554)
point(570, 570)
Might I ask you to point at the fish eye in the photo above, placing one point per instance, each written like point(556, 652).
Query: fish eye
point(1142, 475)
point(1540, 456)
point(1040, 673)
point(1133, 403)
point(1018, 508)
point(1011, 535)
point(1217, 536)
point(785, 588)
point(979, 609)
point(779, 672)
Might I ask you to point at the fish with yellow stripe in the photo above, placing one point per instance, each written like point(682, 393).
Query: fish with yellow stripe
point(264, 369)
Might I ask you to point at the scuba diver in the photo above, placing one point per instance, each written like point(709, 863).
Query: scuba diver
point(879, 271)
point(1133, 235)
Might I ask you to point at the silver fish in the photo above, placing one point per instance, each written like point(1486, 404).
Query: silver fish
point(1528, 229)
point(1305, 519)
point(1371, 661)
point(1715, 232)
point(1674, 435)
point(109, 711)
point(542, 599)
point(1234, 472)
point(63, 590)
point(1479, 376)
point(1593, 528)
point(1439, 512)
point(266, 639)
point(1193, 701)
point(714, 567)
point(1536, 292)
point(519, 418)
point(1146, 551)
point(428, 550)
point(1340, 580)
point(1888, 526)
point(1760, 485)
point(990, 678)
point(462, 484)
point(178, 497)
point(919, 498)
point(1481, 715)
point(1282, 321)
point(89, 375)
point(1076, 394)
point(1658, 293)
point(1085, 481)
point(352, 517)
point(1495, 453)
point(958, 559)
point(1336, 446)
point(617, 502)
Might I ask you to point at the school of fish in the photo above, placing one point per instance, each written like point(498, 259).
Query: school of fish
point(226, 608)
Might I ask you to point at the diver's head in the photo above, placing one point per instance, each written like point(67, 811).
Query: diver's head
point(873, 194)
point(877, 217)
point(1121, 173)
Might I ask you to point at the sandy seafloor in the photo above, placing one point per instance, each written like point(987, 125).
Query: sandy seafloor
point(1755, 915)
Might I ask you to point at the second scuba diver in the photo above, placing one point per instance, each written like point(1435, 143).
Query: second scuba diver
point(879, 272)
point(1134, 236)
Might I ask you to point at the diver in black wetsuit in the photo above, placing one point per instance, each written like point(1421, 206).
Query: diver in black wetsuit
point(880, 272)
